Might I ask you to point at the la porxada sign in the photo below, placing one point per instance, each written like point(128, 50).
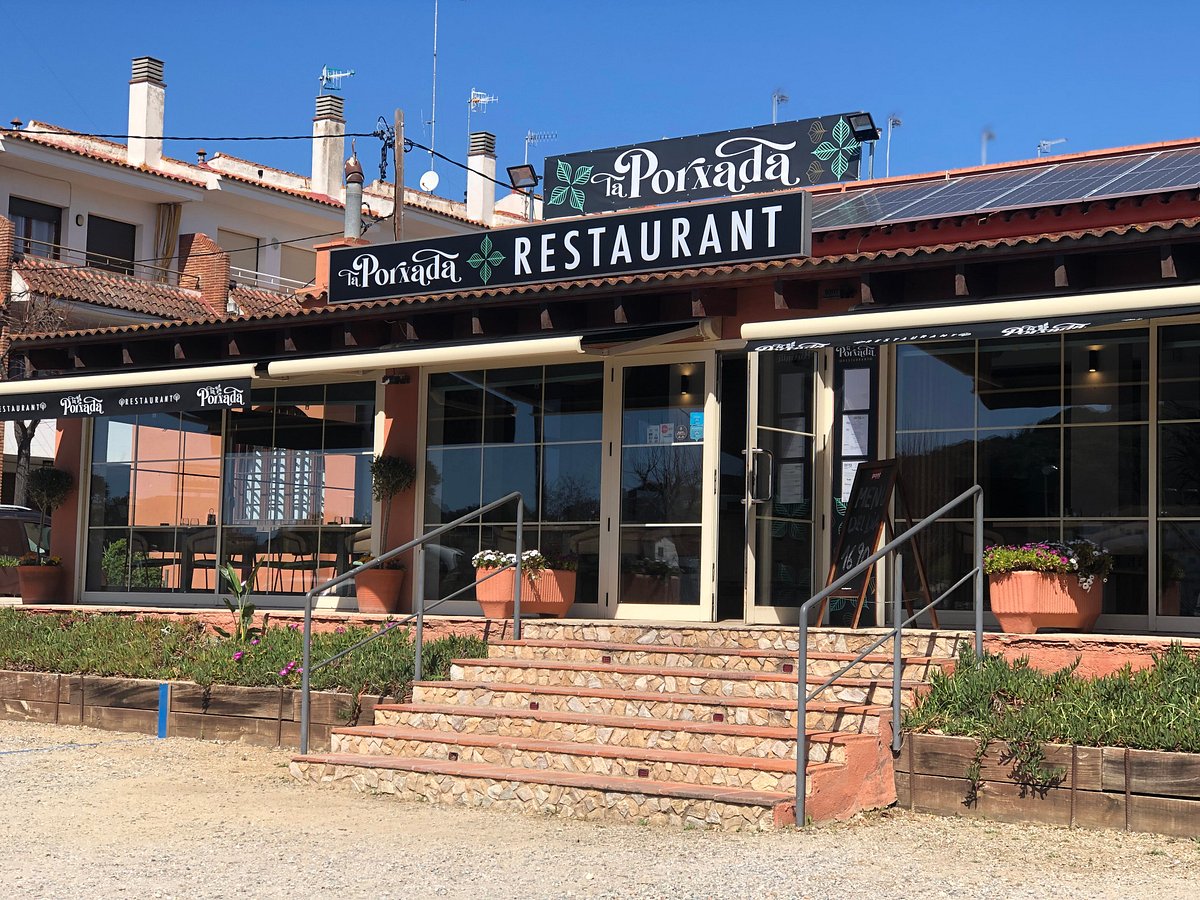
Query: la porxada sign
point(774, 226)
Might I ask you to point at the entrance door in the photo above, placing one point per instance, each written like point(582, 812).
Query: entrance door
point(660, 476)
point(784, 486)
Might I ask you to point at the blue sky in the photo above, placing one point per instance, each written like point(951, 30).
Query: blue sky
point(1101, 73)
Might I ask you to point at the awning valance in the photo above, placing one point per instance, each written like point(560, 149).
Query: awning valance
point(126, 393)
point(1011, 318)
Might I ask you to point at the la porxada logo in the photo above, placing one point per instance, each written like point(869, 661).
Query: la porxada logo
point(485, 260)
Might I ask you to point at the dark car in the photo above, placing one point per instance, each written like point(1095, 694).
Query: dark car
point(19, 534)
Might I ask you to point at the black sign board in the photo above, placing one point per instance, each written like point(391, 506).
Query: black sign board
point(725, 163)
point(702, 234)
point(184, 397)
point(866, 516)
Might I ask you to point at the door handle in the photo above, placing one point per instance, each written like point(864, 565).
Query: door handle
point(755, 453)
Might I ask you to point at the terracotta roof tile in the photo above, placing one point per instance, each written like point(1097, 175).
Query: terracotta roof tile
point(64, 281)
point(95, 148)
point(256, 302)
point(773, 267)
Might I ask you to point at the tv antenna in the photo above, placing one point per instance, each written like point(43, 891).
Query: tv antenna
point(778, 98)
point(431, 176)
point(481, 100)
point(984, 137)
point(1043, 147)
point(331, 78)
point(536, 137)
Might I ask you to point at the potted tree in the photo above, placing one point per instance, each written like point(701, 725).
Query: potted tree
point(40, 574)
point(379, 588)
point(1047, 584)
point(547, 584)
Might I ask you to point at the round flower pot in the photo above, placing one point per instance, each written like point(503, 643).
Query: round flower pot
point(552, 592)
point(379, 590)
point(1023, 602)
point(41, 584)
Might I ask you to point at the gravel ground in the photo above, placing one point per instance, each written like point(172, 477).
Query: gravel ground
point(98, 814)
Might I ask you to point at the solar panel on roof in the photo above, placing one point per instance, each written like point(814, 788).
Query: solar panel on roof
point(967, 194)
point(1174, 168)
point(823, 203)
point(1066, 182)
point(869, 207)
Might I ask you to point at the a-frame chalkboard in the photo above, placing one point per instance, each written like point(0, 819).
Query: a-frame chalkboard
point(867, 520)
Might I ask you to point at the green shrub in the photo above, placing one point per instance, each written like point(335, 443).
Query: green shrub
point(992, 699)
point(166, 649)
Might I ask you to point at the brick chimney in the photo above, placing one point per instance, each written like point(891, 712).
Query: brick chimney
point(147, 107)
point(201, 256)
point(481, 192)
point(328, 146)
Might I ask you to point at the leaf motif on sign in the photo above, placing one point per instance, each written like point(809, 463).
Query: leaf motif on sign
point(577, 199)
point(839, 166)
point(582, 174)
point(474, 260)
point(486, 247)
point(824, 150)
point(841, 131)
point(564, 171)
point(558, 195)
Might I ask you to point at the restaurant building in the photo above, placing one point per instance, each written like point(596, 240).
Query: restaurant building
point(681, 394)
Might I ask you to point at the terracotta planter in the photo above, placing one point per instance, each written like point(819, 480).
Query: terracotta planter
point(552, 593)
point(1023, 602)
point(41, 584)
point(379, 590)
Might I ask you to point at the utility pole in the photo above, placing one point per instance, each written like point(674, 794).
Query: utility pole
point(778, 98)
point(892, 122)
point(398, 151)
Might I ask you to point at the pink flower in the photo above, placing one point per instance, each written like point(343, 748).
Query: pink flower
point(283, 671)
point(238, 656)
point(341, 629)
point(254, 642)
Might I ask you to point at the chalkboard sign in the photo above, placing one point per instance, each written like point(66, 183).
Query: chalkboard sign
point(866, 516)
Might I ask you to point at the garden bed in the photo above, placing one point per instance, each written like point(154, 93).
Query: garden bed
point(108, 672)
point(1001, 740)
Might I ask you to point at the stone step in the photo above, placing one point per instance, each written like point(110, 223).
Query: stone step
point(723, 738)
point(762, 685)
point(682, 709)
point(544, 792)
point(943, 643)
point(727, 659)
point(730, 771)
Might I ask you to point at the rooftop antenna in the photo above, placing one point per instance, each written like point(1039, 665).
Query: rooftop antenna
point(1043, 147)
point(986, 135)
point(536, 137)
point(778, 98)
point(481, 100)
point(331, 78)
point(893, 121)
point(429, 181)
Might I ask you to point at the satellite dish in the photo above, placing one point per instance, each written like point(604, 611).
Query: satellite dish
point(429, 181)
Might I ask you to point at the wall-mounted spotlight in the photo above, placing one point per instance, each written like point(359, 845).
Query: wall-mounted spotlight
point(1093, 359)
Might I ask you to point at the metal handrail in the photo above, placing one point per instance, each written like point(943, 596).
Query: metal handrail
point(896, 632)
point(417, 544)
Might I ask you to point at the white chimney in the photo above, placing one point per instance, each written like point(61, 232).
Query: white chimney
point(481, 191)
point(147, 104)
point(328, 146)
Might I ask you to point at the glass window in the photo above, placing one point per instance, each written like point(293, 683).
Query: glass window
point(110, 244)
point(935, 386)
point(533, 429)
point(36, 226)
point(1019, 383)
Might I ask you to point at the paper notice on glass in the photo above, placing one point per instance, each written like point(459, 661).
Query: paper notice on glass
point(666, 433)
point(791, 483)
point(855, 435)
point(652, 434)
point(848, 470)
point(856, 389)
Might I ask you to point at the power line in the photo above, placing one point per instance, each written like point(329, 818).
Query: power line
point(409, 144)
point(163, 137)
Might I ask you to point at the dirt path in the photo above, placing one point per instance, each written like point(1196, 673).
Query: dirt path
point(96, 814)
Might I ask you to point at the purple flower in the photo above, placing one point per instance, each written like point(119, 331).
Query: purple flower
point(238, 656)
point(341, 629)
point(283, 671)
point(254, 642)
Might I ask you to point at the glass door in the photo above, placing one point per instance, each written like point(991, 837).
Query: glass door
point(660, 472)
point(784, 498)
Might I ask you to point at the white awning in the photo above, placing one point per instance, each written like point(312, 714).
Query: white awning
point(941, 321)
point(127, 379)
point(486, 353)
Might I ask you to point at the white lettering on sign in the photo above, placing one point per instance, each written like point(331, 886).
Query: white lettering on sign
point(220, 395)
point(79, 405)
point(741, 162)
point(425, 267)
point(1043, 328)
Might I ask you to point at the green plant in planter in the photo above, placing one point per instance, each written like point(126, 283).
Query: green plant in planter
point(390, 475)
point(48, 488)
point(240, 606)
point(9, 562)
point(1080, 557)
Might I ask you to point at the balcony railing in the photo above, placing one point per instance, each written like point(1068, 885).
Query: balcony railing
point(266, 280)
point(74, 258)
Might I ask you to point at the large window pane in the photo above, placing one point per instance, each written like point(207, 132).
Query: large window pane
point(452, 483)
point(511, 401)
point(1106, 376)
point(935, 466)
point(508, 469)
point(1019, 383)
point(455, 408)
point(1179, 569)
point(1019, 472)
point(1179, 470)
point(935, 386)
point(661, 484)
point(1179, 372)
point(1108, 469)
point(574, 398)
point(1125, 592)
point(660, 565)
point(571, 483)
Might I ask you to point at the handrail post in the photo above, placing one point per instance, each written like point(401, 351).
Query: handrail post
point(801, 719)
point(517, 585)
point(978, 573)
point(305, 698)
point(419, 605)
point(897, 651)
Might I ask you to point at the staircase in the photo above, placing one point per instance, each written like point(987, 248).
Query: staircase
point(680, 725)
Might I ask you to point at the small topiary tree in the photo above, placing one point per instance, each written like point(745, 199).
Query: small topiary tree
point(48, 489)
point(389, 476)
